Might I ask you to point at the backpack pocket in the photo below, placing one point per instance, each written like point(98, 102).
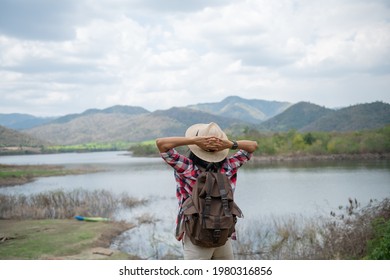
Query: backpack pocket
point(209, 231)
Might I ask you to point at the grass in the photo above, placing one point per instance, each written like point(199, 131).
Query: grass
point(88, 147)
point(57, 239)
point(19, 174)
point(379, 246)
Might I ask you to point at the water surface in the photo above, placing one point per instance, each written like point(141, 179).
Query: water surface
point(263, 191)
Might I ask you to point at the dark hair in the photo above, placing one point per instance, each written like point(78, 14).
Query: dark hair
point(213, 166)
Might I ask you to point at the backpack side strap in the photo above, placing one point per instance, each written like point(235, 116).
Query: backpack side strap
point(223, 192)
point(209, 184)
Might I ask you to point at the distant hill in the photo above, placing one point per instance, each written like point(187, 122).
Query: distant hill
point(188, 116)
point(13, 138)
point(357, 117)
point(22, 121)
point(305, 116)
point(126, 123)
point(233, 114)
point(119, 109)
point(105, 128)
point(296, 117)
point(252, 111)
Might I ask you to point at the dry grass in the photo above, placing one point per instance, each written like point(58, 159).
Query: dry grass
point(342, 235)
point(347, 235)
point(61, 205)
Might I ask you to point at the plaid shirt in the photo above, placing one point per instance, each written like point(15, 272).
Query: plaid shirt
point(186, 172)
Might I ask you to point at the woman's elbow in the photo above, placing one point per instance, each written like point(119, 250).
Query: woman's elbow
point(160, 143)
point(253, 146)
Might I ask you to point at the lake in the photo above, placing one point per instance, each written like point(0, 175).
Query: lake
point(263, 191)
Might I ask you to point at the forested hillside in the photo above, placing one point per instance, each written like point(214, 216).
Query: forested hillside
point(357, 117)
point(134, 124)
point(247, 110)
point(295, 117)
point(10, 137)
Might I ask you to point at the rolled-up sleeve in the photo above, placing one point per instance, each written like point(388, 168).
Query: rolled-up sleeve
point(239, 158)
point(180, 163)
point(233, 163)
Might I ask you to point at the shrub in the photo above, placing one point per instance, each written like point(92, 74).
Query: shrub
point(379, 246)
point(144, 150)
point(354, 232)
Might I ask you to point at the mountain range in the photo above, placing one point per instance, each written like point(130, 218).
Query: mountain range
point(13, 138)
point(305, 116)
point(247, 110)
point(233, 114)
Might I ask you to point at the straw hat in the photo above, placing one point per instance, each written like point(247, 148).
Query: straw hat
point(211, 129)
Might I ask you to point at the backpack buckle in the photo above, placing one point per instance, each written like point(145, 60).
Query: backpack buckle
point(217, 233)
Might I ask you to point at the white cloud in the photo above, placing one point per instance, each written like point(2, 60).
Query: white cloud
point(362, 50)
point(173, 53)
point(39, 19)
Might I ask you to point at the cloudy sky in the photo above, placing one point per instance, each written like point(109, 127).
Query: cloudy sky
point(60, 57)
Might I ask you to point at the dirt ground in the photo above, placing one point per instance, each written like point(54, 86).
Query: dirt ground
point(60, 239)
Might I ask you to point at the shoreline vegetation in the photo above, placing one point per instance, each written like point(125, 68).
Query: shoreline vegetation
point(12, 175)
point(291, 144)
point(303, 145)
point(320, 158)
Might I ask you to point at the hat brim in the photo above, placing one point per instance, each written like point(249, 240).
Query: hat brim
point(199, 152)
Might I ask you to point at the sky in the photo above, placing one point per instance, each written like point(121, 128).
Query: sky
point(63, 57)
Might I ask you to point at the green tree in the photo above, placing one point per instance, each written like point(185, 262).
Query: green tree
point(309, 138)
point(298, 143)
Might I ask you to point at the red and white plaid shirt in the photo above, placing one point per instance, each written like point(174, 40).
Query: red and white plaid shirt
point(186, 172)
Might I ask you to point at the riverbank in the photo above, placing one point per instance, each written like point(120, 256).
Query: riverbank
point(319, 158)
point(60, 239)
point(12, 175)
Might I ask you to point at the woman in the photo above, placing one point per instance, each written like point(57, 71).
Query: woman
point(208, 146)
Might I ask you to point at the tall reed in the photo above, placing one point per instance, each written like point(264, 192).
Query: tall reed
point(59, 204)
point(351, 232)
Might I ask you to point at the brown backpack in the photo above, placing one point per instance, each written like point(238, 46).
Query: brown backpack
point(210, 214)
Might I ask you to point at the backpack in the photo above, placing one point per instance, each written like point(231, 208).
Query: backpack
point(210, 214)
